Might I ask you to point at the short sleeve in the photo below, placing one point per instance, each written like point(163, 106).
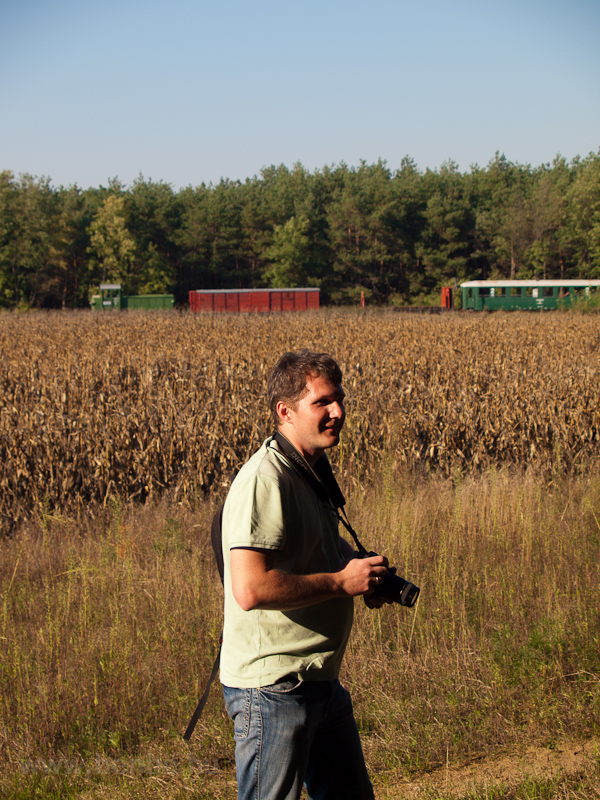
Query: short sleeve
point(253, 515)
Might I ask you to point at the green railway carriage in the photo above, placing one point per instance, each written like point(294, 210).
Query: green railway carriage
point(111, 298)
point(525, 294)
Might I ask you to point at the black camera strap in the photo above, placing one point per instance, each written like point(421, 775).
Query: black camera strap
point(217, 546)
point(200, 707)
point(322, 480)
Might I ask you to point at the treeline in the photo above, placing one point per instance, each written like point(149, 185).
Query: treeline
point(398, 236)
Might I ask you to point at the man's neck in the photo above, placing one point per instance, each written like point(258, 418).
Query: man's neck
point(310, 458)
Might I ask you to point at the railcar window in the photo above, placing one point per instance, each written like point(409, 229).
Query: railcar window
point(548, 291)
point(484, 291)
point(515, 291)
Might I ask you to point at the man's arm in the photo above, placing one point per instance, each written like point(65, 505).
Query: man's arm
point(257, 584)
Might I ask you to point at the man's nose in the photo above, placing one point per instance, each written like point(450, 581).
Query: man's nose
point(336, 410)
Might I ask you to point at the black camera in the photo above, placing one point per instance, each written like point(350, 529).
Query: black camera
point(396, 588)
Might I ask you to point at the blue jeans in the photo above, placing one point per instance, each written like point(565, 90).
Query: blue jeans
point(294, 733)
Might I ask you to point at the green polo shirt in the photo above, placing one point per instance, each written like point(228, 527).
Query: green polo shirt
point(271, 507)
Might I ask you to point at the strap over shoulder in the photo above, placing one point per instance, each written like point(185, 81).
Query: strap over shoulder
point(322, 480)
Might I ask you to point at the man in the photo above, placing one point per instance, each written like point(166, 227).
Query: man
point(289, 584)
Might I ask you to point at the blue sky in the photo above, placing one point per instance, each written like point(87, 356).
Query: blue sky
point(191, 92)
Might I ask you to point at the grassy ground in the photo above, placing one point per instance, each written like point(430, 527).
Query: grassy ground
point(108, 630)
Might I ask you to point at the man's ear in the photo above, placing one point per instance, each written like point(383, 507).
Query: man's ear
point(283, 411)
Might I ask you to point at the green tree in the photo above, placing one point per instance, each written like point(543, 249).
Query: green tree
point(503, 221)
point(410, 204)
point(27, 245)
point(193, 241)
point(225, 234)
point(290, 255)
point(75, 210)
point(446, 241)
point(545, 257)
point(361, 223)
point(256, 228)
point(11, 284)
point(112, 247)
point(153, 217)
point(583, 217)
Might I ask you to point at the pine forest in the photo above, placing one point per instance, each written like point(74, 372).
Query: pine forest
point(394, 236)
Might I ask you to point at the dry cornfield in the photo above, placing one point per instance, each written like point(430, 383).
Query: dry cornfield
point(135, 405)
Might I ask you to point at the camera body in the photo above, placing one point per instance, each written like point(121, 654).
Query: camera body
point(396, 588)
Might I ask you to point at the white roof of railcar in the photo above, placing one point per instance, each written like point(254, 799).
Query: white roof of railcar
point(532, 282)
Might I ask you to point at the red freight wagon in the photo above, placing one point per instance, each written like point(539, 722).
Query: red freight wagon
point(247, 300)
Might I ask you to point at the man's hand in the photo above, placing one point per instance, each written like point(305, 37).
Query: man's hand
point(371, 598)
point(362, 575)
point(376, 600)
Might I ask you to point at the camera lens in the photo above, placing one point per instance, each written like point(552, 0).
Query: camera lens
point(397, 589)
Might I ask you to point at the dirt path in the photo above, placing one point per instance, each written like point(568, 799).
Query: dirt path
point(566, 758)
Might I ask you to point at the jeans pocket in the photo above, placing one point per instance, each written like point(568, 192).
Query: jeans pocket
point(238, 703)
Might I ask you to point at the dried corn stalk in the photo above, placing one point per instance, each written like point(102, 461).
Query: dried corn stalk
point(138, 404)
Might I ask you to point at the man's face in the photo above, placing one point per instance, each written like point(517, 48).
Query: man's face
point(315, 422)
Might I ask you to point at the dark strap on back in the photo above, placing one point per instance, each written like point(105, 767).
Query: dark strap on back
point(203, 699)
point(217, 541)
point(217, 546)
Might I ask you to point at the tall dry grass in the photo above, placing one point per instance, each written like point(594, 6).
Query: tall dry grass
point(504, 646)
point(108, 632)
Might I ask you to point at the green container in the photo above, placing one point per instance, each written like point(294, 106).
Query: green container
point(148, 301)
point(111, 299)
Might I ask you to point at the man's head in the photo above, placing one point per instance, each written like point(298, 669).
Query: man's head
point(306, 400)
point(287, 380)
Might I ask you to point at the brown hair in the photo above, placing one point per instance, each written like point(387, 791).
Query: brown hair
point(287, 379)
